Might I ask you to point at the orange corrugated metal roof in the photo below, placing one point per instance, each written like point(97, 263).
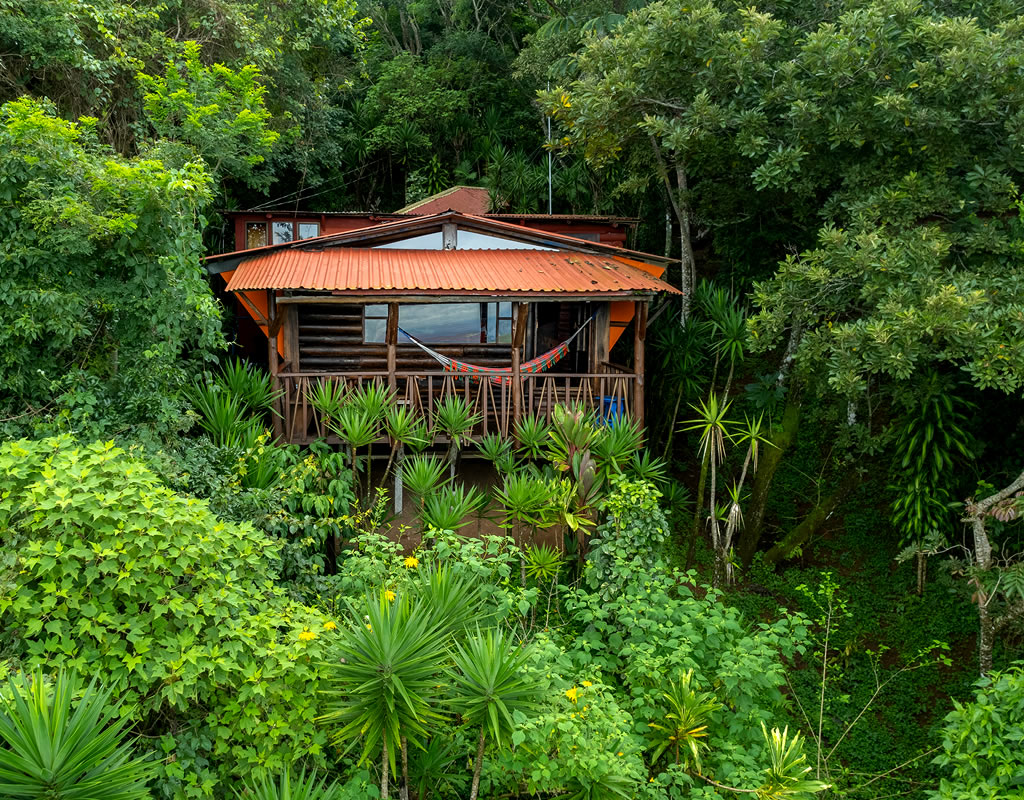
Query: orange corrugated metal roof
point(376, 270)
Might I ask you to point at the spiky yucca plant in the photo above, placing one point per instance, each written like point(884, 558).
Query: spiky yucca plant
point(286, 787)
point(54, 747)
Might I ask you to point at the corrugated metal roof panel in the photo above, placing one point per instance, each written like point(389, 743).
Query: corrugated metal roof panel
point(362, 270)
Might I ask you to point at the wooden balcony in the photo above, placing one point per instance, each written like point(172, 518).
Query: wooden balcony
point(612, 393)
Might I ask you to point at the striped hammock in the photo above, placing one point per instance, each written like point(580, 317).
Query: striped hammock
point(499, 375)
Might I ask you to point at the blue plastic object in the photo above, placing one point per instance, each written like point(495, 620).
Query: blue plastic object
point(611, 409)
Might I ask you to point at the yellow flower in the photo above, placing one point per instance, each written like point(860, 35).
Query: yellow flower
point(307, 636)
point(587, 684)
point(619, 753)
point(572, 693)
point(389, 595)
point(329, 625)
point(411, 562)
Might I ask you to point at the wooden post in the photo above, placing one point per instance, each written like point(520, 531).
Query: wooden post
point(639, 334)
point(518, 338)
point(273, 364)
point(601, 327)
point(392, 341)
point(290, 336)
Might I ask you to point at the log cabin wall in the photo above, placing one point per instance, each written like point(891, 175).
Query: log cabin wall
point(330, 339)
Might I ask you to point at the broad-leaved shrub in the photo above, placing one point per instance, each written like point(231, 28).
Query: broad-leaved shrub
point(120, 578)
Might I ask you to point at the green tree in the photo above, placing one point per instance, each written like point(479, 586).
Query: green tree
point(217, 111)
point(491, 685)
point(101, 273)
point(384, 688)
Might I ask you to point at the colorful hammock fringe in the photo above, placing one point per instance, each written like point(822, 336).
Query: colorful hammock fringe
point(498, 375)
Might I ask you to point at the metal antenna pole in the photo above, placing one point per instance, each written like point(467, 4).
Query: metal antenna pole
point(550, 196)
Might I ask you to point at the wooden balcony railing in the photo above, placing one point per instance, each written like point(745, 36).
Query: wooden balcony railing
point(609, 394)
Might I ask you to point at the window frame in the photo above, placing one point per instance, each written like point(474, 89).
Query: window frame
point(370, 313)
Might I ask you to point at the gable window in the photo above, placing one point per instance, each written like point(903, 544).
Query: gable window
point(443, 323)
point(255, 235)
point(284, 232)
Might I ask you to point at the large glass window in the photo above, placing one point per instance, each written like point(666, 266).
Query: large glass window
point(375, 323)
point(443, 323)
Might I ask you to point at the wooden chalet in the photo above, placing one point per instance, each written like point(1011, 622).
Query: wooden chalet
point(389, 301)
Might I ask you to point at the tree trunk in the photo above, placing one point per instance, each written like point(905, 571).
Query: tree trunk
point(399, 485)
point(769, 463)
point(477, 767)
point(698, 506)
point(976, 513)
point(986, 632)
point(384, 771)
point(814, 520)
point(677, 196)
point(922, 570)
point(404, 793)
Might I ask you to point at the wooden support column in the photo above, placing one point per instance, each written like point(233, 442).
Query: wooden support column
point(601, 327)
point(290, 345)
point(392, 342)
point(518, 338)
point(273, 364)
point(639, 335)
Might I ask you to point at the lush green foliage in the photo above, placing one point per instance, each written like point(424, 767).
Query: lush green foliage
point(991, 725)
point(116, 577)
point(101, 276)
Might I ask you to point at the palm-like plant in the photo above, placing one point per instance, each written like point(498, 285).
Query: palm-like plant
point(646, 467)
point(327, 397)
point(491, 684)
point(786, 774)
point(728, 327)
point(55, 751)
point(751, 433)
point(714, 428)
point(254, 387)
point(384, 679)
point(543, 563)
point(447, 509)
point(532, 435)
point(404, 428)
point(422, 475)
point(525, 499)
point(456, 420)
point(616, 444)
point(357, 426)
point(373, 398)
point(223, 415)
point(495, 448)
point(286, 787)
point(451, 600)
point(684, 727)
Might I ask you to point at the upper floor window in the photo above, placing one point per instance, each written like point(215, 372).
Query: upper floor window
point(259, 234)
point(255, 235)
